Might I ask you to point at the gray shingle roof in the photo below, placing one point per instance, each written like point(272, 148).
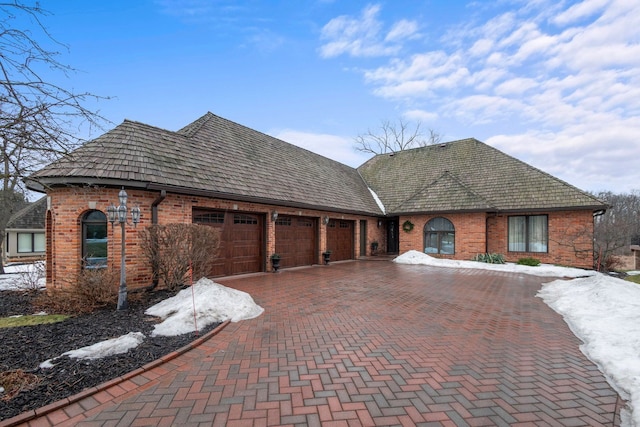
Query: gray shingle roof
point(214, 156)
point(30, 217)
point(466, 175)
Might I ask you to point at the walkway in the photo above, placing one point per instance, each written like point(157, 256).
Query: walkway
point(371, 343)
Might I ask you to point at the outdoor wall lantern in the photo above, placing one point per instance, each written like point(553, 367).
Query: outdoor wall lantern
point(325, 220)
point(119, 214)
point(379, 223)
point(274, 216)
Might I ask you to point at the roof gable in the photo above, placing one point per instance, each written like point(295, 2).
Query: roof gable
point(445, 194)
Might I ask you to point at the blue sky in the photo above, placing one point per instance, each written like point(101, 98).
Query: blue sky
point(553, 83)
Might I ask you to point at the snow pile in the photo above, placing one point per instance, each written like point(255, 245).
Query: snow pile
point(545, 270)
point(604, 312)
point(213, 303)
point(102, 349)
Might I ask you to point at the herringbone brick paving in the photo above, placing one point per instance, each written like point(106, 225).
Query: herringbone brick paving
point(371, 343)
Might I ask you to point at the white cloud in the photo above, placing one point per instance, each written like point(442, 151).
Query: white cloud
point(402, 29)
point(547, 80)
point(363, 36)
point(335, 147)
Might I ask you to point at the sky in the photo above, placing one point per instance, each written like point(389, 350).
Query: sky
point(553, 83)
point(602, 311)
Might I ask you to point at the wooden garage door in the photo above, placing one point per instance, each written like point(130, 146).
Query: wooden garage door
point(241, 241)
point(340, 239)
point(296, 241)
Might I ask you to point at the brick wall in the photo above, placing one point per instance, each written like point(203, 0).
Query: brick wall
point(68, 205)
point(469, 229)
point(570, 236)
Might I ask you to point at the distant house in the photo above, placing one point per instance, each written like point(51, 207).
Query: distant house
point(25, 233)
point(266, 196)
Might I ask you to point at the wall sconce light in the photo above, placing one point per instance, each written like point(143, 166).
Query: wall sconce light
point(325, 220)
point(274, 215)
point(379, 223)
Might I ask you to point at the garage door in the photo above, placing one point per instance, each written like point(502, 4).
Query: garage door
point(340, 239)
point(241, 241)
point(296, 241)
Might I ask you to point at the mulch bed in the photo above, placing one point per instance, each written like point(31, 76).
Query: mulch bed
point(25, 348)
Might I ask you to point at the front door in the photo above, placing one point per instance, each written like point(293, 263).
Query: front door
point(393, 241)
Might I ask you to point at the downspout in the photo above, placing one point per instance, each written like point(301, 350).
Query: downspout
point(596, 214)
point(154, 206)
point(154, 221)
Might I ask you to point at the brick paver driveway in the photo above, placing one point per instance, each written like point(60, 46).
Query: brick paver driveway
point(372, 343)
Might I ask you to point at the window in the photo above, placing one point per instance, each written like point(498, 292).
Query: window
point(283, 220)
point(94, 239)
point(208, 218)
point(439, 237)
point(244, 219)
point(30, 242)
point(528, 233)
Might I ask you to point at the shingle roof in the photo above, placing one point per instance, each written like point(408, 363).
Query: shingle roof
point(217, 156)
point(466, 175)
point(30, 217)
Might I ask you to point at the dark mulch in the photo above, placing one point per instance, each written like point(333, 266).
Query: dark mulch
point(27, 347)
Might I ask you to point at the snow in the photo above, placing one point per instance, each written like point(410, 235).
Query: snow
point(22, 276)
point(215, 303)
point(545, 270)
point(602, 311)
point(102, 349)
point(378, 201)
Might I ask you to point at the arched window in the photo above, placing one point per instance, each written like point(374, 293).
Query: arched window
point(439, 237)
point(94, 239)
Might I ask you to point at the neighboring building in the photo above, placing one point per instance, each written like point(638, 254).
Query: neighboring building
point(267, 196)
point(25, 236)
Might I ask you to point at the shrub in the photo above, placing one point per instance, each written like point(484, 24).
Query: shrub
point(530, 261)
point(174, 248)
point(93, 288)
point(489, 258)
point(32, 278)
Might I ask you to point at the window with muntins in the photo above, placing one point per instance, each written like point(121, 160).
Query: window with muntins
point(94, 240)
point(528, 233)
point(439, 237)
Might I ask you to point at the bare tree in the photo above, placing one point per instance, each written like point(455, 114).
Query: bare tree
point(39, 120)
point(397, 136)
point(618, 228)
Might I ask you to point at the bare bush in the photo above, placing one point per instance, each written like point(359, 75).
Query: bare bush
point(92, 289)
point(173, 249)
point(32, 278)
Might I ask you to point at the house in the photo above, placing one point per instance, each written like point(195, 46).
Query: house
point(25, 236)
point(267, 196)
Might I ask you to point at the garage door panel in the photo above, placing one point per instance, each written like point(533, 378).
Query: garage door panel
point(241, 241)
point(340, 238)
point(296, 240)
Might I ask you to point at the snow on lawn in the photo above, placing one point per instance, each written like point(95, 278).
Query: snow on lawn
point(22, 276)
point(602, 311)
point(214, 303)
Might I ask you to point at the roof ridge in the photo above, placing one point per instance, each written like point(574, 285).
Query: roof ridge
point(455, 178)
